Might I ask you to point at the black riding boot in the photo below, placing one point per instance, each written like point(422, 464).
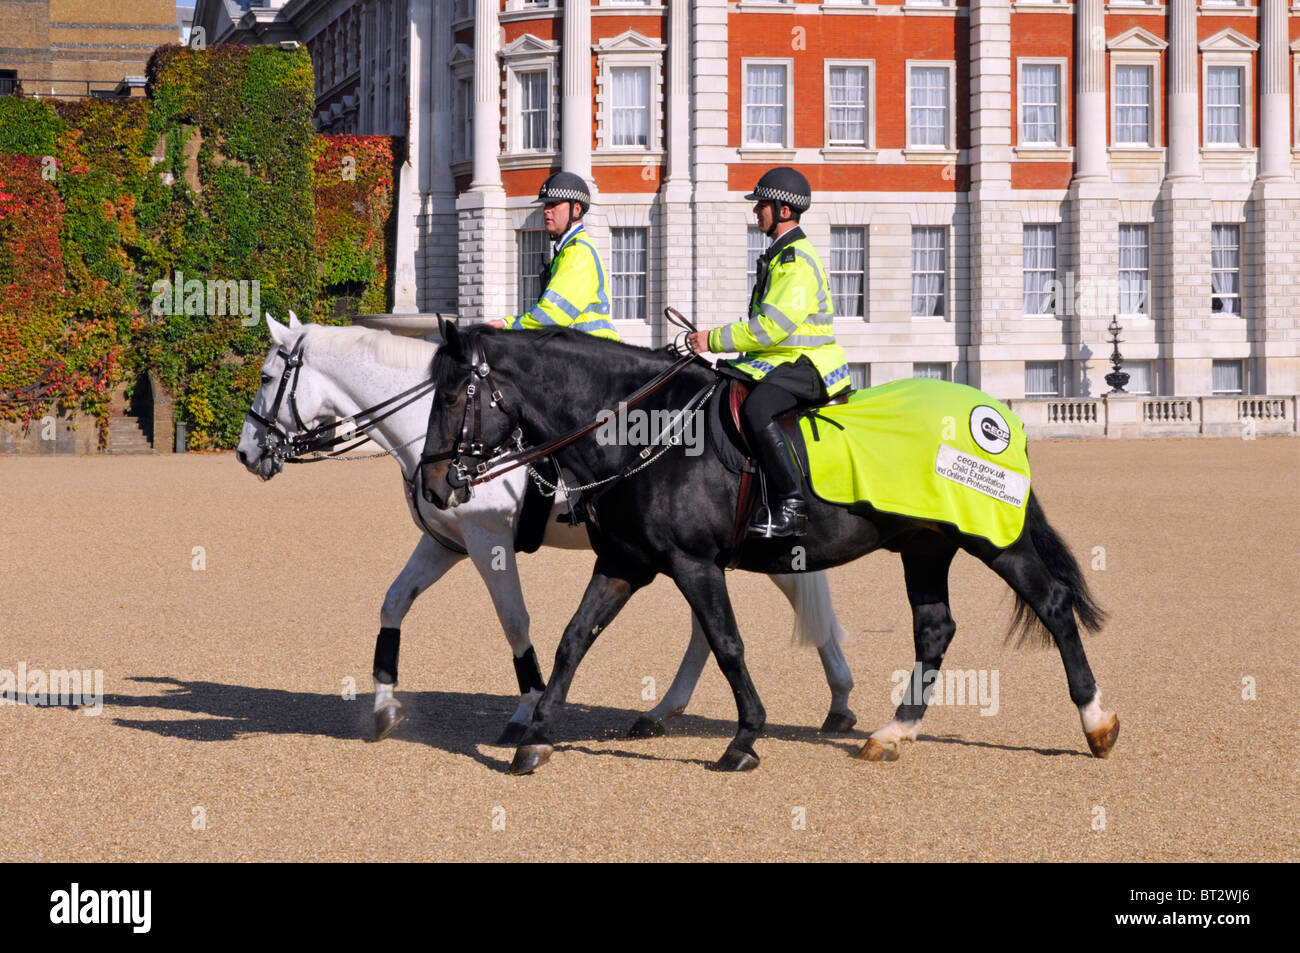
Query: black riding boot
point(786, 513)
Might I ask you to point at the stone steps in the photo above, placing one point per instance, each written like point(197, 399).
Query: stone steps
point(125, 436)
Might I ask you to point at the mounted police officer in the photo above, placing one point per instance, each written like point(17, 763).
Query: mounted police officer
point(574, 289)
point(786, 344)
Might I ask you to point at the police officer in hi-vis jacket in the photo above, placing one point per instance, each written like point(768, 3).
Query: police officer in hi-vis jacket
point(786, 344)
point(574, 289)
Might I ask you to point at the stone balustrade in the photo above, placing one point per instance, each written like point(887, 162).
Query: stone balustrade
point(1132, 416)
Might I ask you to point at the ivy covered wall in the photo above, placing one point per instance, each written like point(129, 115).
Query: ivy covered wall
point(154, 234)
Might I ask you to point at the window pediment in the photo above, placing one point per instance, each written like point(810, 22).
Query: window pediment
point(1136, 40)
point(529, 45)
point(1228, 41)
point(629, 41)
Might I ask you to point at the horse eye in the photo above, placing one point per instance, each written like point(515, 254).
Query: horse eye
point(449, 398)
point(266, 378)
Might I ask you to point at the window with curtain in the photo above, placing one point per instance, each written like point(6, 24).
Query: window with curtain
point(1042, 379)
point(532, 244)
point(1133, 106)
point(765, 104)
point(848, 106)
point(1141, 377)
point(628, 266)
point(465, 128)
point(535, 132)
point(929, 269)
point(1223, 96)
point(1228, 377)
point(1225, 269)
point(933, 371)
point(848, 271)
point(928, 112)
point(630, 106)
point(755, 244)
point(1134, 268)
point(1040, 103)
point(859, 376)
point(1039, 269)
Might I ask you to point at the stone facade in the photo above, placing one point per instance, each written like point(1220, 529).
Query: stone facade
point(995, 177)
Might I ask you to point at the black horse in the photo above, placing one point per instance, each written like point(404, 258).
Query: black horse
point(676, 517)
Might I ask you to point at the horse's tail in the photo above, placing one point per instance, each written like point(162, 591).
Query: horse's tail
point(1060, 563)
point(815, 622)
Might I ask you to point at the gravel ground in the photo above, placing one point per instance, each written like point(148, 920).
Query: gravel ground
point(225, 733)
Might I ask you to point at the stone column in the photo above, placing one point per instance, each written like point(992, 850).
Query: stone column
point(995, 301)
point(575, 97)
point(1090, 88)
point(677, 248)
point(1274, 92)
point(1181, 296)
point(406, 269)
point(439, 291)
point(1273, 242)
point(484, 249)
point(720, 278)
point(1184, 99)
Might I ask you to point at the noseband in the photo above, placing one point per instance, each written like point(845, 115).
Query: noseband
point(284, 447)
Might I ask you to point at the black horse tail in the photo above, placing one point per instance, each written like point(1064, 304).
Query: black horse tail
point(1026, 627)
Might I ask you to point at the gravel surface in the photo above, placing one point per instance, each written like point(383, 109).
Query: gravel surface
point(225, 733)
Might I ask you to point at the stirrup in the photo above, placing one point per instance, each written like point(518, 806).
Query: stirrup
point(793, 522)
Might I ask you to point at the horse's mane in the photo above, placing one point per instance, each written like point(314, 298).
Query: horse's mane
point(444, 372)
point(391, 350)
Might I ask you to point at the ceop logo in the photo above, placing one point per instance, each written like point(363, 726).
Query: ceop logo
point(989, 430)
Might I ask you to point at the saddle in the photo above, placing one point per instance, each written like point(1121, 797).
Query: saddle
point(730, 443)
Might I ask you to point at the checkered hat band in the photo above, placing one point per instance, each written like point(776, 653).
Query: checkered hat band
point(564, 195)
point(781, 195)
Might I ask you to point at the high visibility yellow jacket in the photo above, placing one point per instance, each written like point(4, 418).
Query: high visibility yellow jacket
point(574, 292)
point(790, 313)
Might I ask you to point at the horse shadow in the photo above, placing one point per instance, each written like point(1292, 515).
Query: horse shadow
point(460, 723)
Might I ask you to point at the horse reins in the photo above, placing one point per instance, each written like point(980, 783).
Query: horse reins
point(289, 448)
point(458, 474)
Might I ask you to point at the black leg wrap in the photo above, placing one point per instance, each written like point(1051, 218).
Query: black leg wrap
point(529, 673)
point(386, 656)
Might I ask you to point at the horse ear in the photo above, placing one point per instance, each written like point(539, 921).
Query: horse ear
point(279, 333)
point(451, 341)
point(293, 320)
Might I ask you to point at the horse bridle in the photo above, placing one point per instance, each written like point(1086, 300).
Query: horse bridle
point(500, 461)
point(471, 428)
point(285, 447)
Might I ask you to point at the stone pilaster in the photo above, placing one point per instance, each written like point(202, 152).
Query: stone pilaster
point(485, 250)
point(1184, 99)
point(995, 299)
point(1273, 242)
point(1090, 89)
point(676, 219)
point(439, 285)
point(409, 193)
point(721, 284)
point(576, 116)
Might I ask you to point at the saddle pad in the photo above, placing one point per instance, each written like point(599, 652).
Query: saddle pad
point(927, 449)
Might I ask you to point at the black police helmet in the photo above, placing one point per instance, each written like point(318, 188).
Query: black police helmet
point(565, 187)
point(785, 186)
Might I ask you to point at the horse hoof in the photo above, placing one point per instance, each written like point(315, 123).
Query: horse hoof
point(387, 719)
point(838, 722)
point(513, 734)
point(645, 727)
point(736, 759)
point(873, 750)
point(1103, 739)
point(528, 758)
